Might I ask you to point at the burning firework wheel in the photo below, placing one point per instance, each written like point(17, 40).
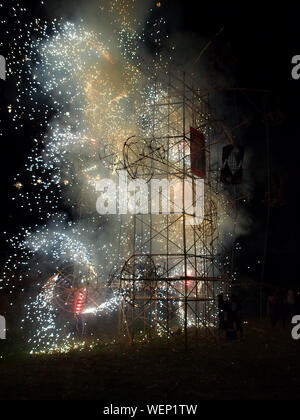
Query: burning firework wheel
point(72, 284)
point(137, 159)
point(138, 277)
point(157, 150)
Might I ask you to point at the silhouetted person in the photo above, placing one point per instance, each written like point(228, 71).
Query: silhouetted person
point(228, 317)
point(236, 308)
point(222, 314)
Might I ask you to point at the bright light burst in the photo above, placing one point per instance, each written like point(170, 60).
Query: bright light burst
point(77, 87)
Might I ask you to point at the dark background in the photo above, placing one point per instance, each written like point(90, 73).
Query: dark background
point(255, 50)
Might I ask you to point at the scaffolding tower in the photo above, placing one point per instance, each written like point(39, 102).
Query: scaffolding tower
point(174, 273)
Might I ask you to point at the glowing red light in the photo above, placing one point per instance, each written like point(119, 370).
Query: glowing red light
point(189, 283)
point(79, 302)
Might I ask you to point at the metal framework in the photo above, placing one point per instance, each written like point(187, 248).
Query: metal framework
point(174, 271)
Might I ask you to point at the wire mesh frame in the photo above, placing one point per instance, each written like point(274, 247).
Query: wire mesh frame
point(173, 276)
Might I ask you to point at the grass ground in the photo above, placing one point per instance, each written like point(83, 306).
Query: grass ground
point(264, 365)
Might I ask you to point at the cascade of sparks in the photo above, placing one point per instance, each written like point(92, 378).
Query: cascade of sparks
point(77, 88)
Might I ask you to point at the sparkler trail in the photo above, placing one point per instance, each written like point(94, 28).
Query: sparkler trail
point(69, 83)
point(79, 88)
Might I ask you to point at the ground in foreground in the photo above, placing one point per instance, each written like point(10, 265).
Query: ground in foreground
point(264, 365)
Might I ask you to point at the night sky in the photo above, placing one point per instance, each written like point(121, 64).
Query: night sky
point(254, 51)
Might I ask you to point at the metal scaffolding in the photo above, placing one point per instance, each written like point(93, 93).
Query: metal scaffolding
point(174, 273)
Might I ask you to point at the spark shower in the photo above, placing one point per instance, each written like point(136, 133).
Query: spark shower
point(99, 102)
